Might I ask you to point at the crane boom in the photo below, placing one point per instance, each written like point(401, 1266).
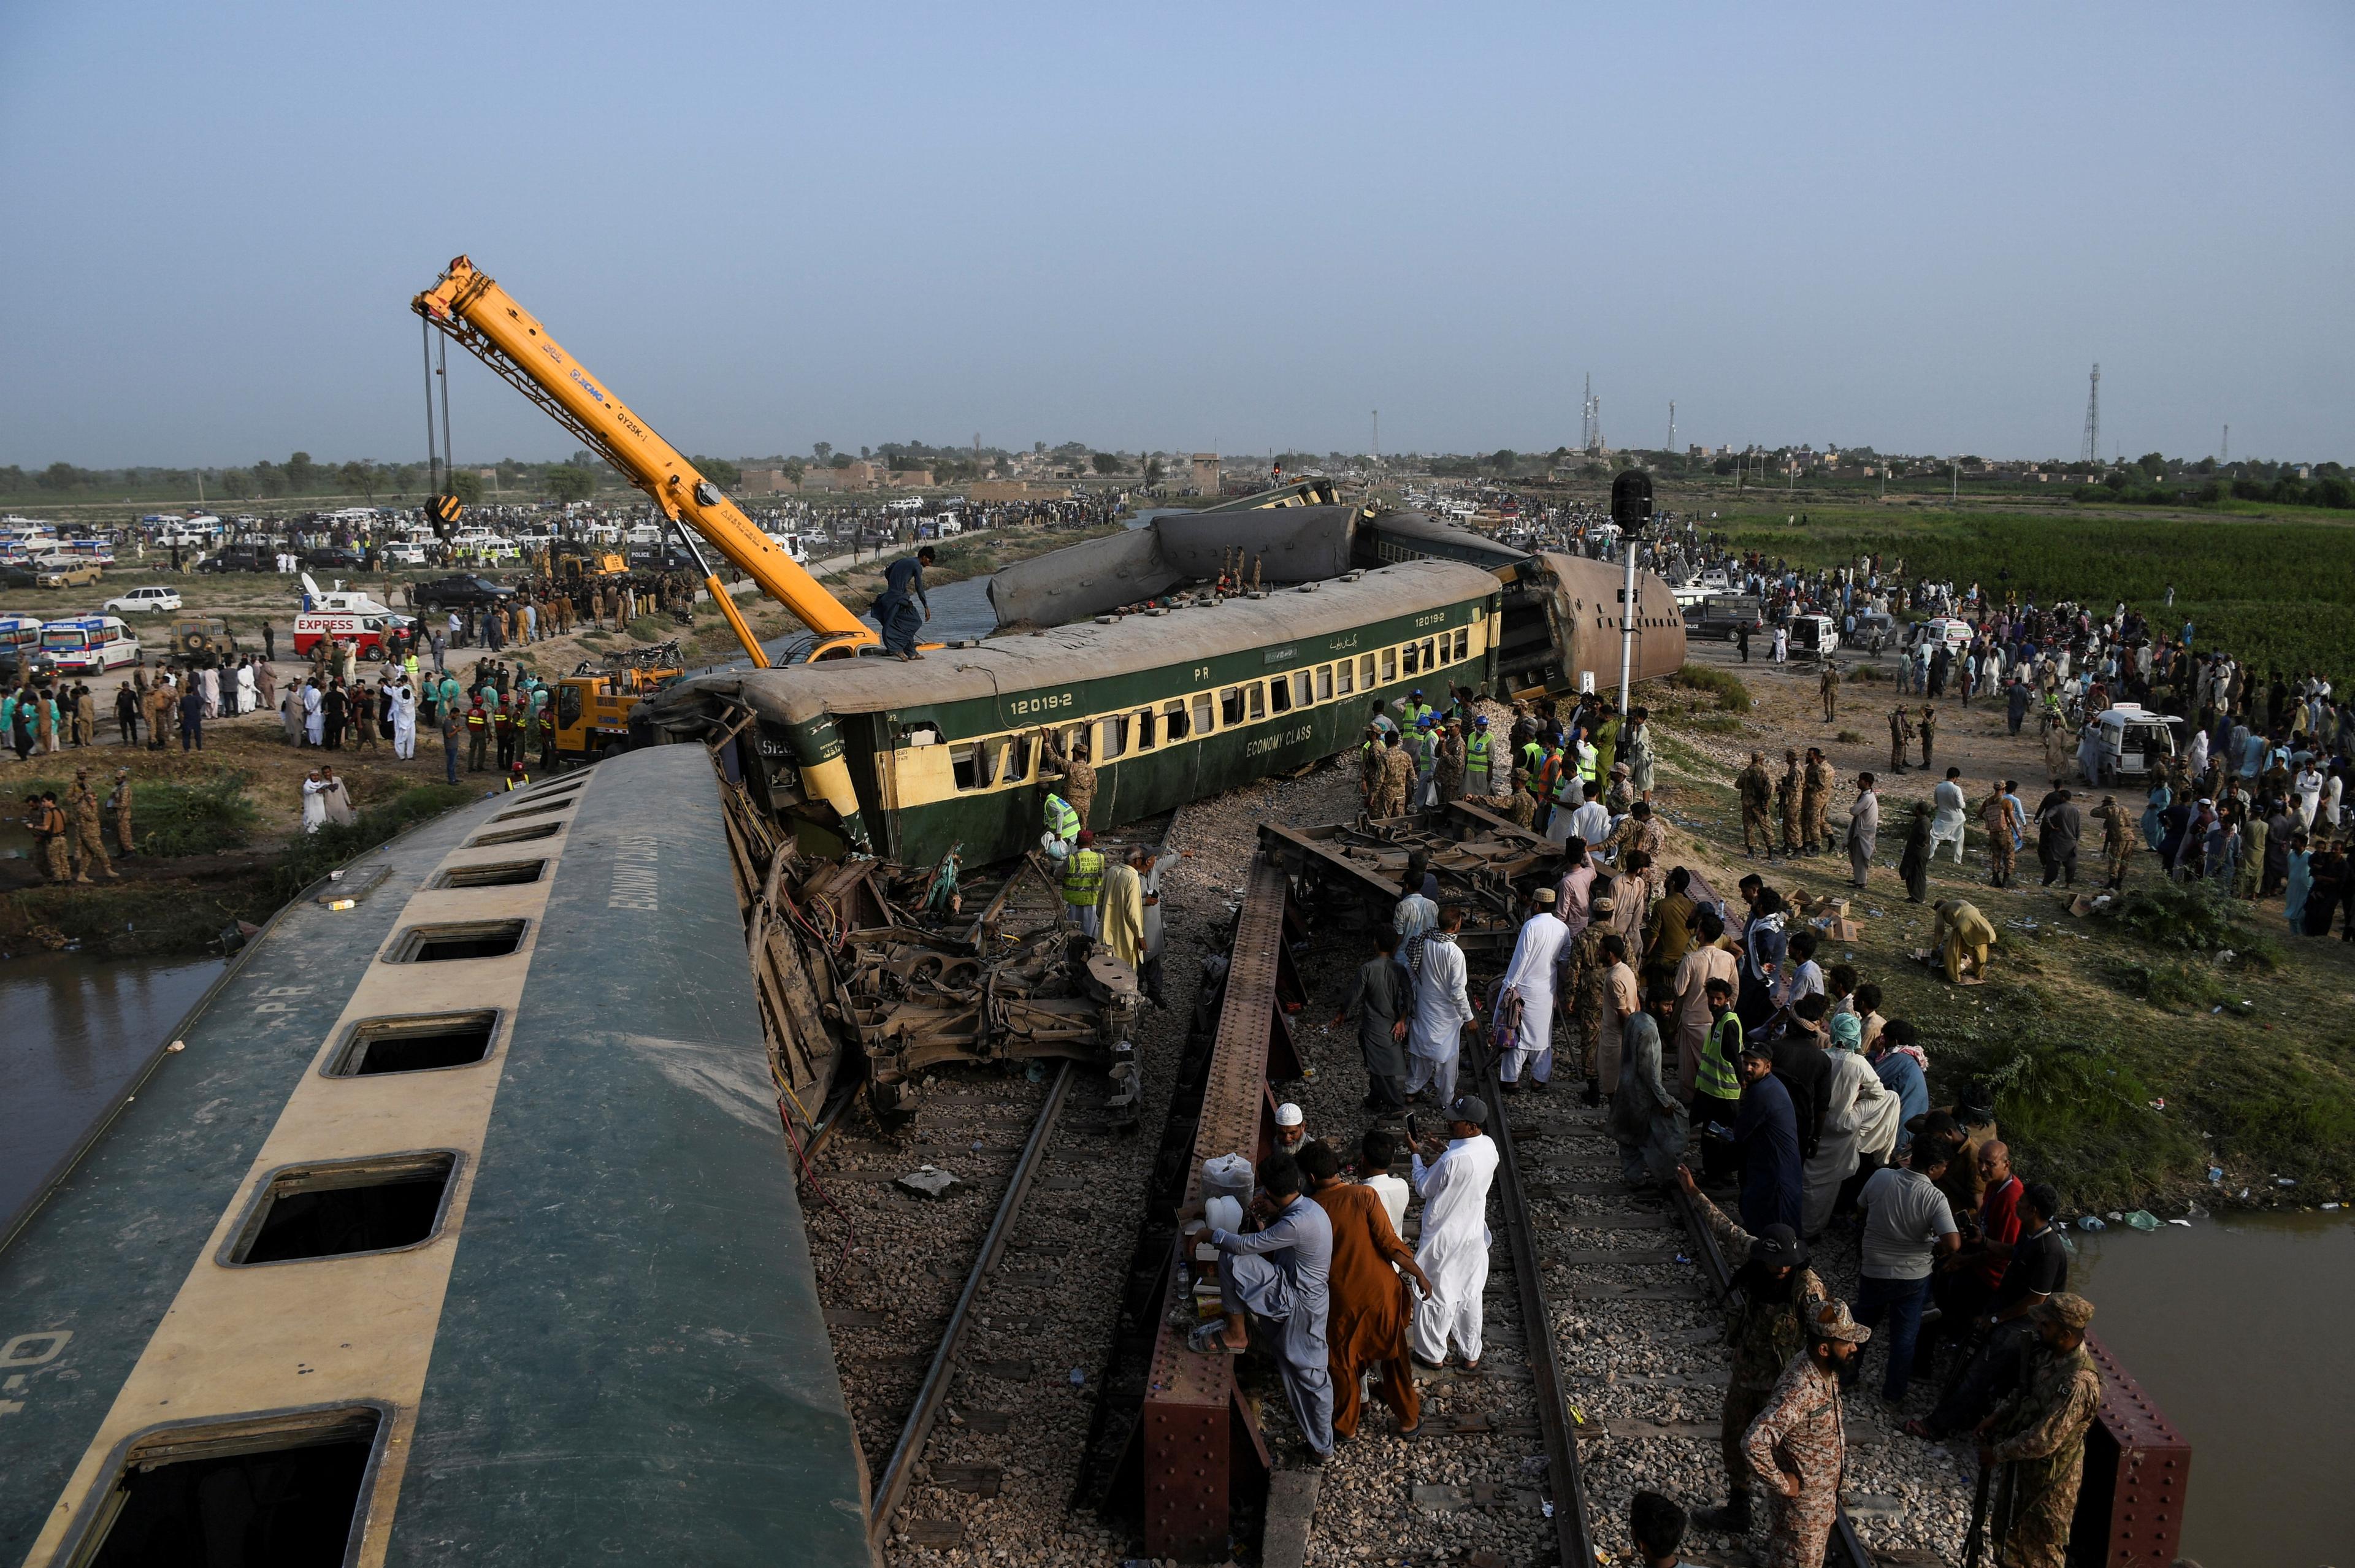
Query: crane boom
point(484, 320)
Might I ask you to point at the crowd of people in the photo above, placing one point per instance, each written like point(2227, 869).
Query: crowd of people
point(1738, 1064)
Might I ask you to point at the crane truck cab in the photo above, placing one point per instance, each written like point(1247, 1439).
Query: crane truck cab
point(592, 705)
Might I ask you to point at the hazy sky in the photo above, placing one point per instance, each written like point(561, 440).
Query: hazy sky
point(1905, 226)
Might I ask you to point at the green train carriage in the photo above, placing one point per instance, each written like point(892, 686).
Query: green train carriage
point(910, 760)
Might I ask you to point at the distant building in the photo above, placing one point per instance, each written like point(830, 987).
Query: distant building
point(765, 482)
point(1206, 473)
point(910, 478)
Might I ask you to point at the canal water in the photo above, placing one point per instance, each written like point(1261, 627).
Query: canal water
point(75, 1029)
point(2233, 1329)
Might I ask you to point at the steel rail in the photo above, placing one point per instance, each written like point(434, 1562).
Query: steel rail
point(1846, 1549)
point(892, 1490)
point(1574, 1530)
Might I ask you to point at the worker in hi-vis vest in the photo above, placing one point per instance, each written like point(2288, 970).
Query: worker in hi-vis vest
point(1084, 874)
point(1062, 827)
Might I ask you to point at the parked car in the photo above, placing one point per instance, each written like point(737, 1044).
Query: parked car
point(65, 572)
point(336, 558)
point(405, 554)
point(144, 602)
point(202, 642)
point(1723, 615)
point(463, 591)
point(240, 558)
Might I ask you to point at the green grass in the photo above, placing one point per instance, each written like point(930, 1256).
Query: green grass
point(179, 818)
point(1731, 695)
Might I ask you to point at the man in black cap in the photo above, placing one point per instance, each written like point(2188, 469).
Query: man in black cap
point(1453, 1181)
point(1772, 1294)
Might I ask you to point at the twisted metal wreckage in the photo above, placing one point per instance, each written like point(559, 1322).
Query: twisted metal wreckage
point(869, 971)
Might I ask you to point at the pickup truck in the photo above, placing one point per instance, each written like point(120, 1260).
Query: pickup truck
point(460, 592)
point(65, 572)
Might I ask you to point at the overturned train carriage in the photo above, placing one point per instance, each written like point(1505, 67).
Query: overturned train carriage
point(458, 1221)
point(910, 761)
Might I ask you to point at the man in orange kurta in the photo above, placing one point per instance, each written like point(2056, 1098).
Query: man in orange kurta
point(1367, 1322)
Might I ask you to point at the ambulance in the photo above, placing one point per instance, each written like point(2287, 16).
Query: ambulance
point(368, 630)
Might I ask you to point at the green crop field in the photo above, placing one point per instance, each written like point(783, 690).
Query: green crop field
point(2279, 593)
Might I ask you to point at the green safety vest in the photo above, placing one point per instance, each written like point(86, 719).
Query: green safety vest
point(1590, 761)
point(1475, 753)
point(1532, 755)
point(1716, 1077)
point(1061, 820)
point(1083, 878)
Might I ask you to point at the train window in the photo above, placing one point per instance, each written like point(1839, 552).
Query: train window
point(970, 764)
point(1017, 755)
point(1202, 723)
point(1430, 654)
point(492, 874)
point(1325, 681)
point(1230, 705)
point(1390, 665)
point(1144, 729)
point(201, 1493)
point(1346, 670)
point(1463, 643)
point(337, 1208)
point(1174, 717)
point(1366, 672)
point(1280, 692)
point(1301, 694)
point(1114, 738)
point(1258, 692)
point(1411, 661)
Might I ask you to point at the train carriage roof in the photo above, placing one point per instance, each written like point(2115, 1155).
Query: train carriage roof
point(1088, 651)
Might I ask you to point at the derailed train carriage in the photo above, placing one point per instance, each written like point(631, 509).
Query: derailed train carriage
point(909, 761)
point(456, 1223)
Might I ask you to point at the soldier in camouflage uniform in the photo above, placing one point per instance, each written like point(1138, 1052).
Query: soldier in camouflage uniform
point(1398, 777)
point(1786, 802)
point(87, 848)
point(1522, 808)
point(1447, 762)
point(1829, 684)
point(2118, 838)
point(2038, 1435)
point(1797, 1447)
point(1590, 986)
point(121, 803)
point(1079, 791)
point(1370, 768)
point(1774, 1293)
point(1901, 731)
point(1928, 730)
point(1816, 801)
point(1757, 792)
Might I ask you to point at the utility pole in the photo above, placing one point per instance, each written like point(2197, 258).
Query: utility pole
point(1377, 435)
point(1954, 481)
point(1672, 427)
point(2226, 459)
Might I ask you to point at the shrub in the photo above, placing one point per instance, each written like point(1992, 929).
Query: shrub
point(194, 819)
point(1848, 738)
point(2178, 987)
point(1732, 696)
point(2190, 917)
point(314, 854)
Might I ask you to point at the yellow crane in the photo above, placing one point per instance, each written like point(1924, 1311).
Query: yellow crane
point(483, 319)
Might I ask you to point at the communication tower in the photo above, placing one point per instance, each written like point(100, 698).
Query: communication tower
point(2094, 418)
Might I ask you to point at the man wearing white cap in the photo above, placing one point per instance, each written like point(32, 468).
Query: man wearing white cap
point(1290, 1128)
point(1530, 981)
point(1452, 1249)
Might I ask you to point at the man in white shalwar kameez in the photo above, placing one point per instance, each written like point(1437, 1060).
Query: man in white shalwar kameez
point(1441, 1007)
point(1453, 1247)
point(314, 716)
point(1948, 821)
point(1536, 956)
point(314, 803)
point(404, 721)
point(1859, 1117)
point(246, 700)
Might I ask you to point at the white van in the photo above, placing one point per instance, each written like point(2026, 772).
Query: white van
point(89, 645)
point(1951, 631)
